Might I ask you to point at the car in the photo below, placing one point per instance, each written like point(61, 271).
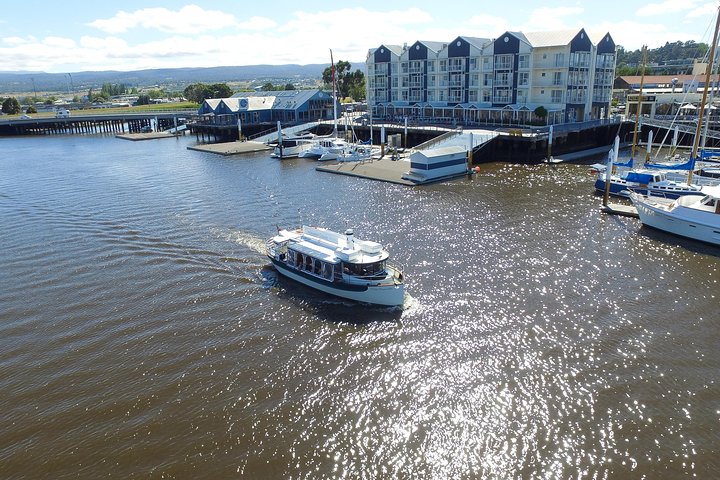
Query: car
point(25, 117)
point(146, 129)
point(62, 114)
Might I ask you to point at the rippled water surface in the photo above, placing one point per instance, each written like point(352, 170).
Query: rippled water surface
point(143, 334)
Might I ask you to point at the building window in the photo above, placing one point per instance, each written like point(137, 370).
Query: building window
point(557, 78)
point(556, 96)
point(559, 59)
point(503, 62)
point(523, 78)
point(524, 61)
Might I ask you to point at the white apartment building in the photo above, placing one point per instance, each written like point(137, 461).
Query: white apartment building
point(473, 81)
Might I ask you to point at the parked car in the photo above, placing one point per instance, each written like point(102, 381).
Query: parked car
point(146, 129)
point(25, 117)
point(62, 114)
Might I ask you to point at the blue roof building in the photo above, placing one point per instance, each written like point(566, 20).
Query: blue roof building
point(286, 106)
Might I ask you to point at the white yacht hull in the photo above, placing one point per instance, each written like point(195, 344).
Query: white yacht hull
point(679, 221)
point(289, 152)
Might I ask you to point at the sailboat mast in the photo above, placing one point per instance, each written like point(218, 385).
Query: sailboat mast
point(638, 114)
point(701, 113)
point(334, 95)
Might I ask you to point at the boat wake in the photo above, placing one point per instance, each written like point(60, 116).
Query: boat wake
point(246, 239)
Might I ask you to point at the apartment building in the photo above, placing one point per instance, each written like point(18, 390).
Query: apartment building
point(472, 80)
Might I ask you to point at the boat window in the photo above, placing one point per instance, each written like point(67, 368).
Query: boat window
point(364, 269)
point(327, 270)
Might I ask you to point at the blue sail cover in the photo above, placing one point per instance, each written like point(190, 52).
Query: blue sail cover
point(689, 165)
point(629, 163)
point(708, 153)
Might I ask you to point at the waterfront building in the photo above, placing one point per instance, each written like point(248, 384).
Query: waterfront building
point(258, 107)
point(667, 95)
point(471, 81)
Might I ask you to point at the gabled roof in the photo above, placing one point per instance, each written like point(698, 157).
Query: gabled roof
point(212, 102)
point(551, 38)
point(521, 36)
point(433, 46)
point(396, 49)
point(476, 41)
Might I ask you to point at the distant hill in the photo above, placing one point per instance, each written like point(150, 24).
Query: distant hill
point(179, 78)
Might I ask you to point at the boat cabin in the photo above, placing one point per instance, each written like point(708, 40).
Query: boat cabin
point(331, 256)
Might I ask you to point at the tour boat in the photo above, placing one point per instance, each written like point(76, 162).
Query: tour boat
point(338, 264)
point(689, 216)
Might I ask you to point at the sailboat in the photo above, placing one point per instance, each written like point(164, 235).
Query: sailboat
point(327, 148)
point(692, 217)
point(642, 180)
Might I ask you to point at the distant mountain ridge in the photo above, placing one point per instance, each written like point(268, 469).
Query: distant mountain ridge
point(15, 82)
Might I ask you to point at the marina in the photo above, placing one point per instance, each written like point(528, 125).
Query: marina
point(138, 303)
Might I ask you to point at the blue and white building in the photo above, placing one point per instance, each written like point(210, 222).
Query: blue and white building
point(472, 80)
point(286, 106)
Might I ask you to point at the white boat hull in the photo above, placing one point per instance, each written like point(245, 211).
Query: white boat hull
point(679, 222)
point(384, 294)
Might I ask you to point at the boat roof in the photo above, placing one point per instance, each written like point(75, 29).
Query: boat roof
point(331, 246)
point(712, 191)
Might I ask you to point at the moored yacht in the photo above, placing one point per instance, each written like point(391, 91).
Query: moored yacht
point(338, 264)
point(292, 147)
point(689, 216)
point(646, 182)
point(329, 148)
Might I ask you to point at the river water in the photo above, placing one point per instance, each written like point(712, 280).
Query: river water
point(143, 334)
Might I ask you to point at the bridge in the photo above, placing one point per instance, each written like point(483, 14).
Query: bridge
point(87, 122)
point(683, 128)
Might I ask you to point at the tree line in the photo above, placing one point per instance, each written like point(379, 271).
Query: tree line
point(629, 62)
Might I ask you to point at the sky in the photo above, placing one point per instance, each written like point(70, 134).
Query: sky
point(82, 35)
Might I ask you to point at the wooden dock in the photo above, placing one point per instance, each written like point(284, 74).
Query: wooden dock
point(231, 148)
point(622, 210)
point(134, 137)
point(384, 169)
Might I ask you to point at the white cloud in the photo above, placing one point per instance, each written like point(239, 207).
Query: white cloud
point(59, 42)
point(664, 8)
point(707, 10)
point(189, 19)
point(552, 18)
point(632, 35)
point(257, 23)
point(107, 43)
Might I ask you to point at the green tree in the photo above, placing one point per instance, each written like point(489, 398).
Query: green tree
point(31, 109)
point(11, 106)
point(221, 90)
point(268, 87)
point(199, 92)
point(156, 93)
point(541, 112)
point(289, 86)
point(348, 83)
point(143, 99)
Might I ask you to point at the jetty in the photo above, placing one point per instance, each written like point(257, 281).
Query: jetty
point(384, 169)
